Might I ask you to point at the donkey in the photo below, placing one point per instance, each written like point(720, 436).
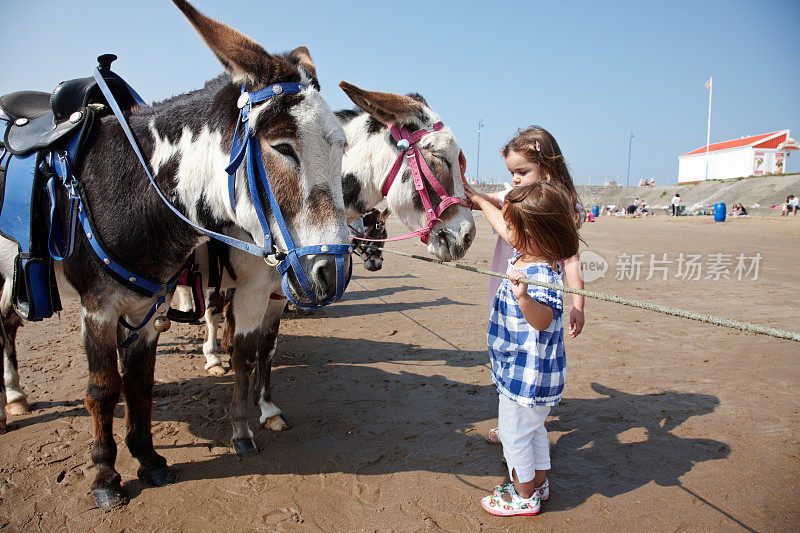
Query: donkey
point(367, 161)
point(187, 141)
point(370, 155)
point(372, 226)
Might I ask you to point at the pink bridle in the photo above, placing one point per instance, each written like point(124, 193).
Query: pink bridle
point(420, 171)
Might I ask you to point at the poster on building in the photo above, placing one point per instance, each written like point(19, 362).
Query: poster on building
point(778, 163)
point(758, 165)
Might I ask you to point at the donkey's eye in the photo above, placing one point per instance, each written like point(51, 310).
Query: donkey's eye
point(446, 163)
point(288, 151)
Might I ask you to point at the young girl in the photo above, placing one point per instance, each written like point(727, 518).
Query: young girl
point(526, 336)
point(534, 155)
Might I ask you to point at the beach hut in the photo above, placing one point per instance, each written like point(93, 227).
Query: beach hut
point(755, 155)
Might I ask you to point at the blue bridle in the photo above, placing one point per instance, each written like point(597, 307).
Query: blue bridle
point(250, 149)
point(287, 262)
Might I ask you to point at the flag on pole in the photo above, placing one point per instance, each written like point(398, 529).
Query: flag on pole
point(708, 83)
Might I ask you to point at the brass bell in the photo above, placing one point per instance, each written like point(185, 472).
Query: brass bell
point(161, 323)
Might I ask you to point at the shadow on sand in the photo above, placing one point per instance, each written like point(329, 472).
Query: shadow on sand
point(354, 418)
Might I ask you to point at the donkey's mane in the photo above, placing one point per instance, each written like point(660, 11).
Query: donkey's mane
point(194, 109)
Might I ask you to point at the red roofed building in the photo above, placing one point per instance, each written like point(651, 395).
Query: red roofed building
point(756, 155)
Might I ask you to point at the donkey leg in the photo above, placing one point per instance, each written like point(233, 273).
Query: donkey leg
point(2, 395)
point(248, 308)
point(214, 304)
point(271, 415)
point(138, 366)
point(102, 394)
point(17, 400)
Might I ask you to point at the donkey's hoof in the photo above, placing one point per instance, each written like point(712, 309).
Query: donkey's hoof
point(216, 370)
point(19, 407)
point(109, 498)
point(277, 423)
point(2, 426)
point(245, 447)
point(157, 477)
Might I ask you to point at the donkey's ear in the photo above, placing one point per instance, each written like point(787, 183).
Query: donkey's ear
point(242, 57)
point(388, 108)
point(303, 57)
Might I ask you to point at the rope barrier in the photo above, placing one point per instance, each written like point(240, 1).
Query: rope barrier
point(674, 311)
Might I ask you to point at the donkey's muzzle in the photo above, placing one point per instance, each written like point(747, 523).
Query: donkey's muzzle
point(324, 275)
point(323, 282)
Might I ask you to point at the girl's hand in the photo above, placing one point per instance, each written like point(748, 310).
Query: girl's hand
point(472, 195)
point(576, 321)
point(519, 289)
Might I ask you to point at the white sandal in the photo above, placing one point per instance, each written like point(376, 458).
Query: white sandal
point(518, 506)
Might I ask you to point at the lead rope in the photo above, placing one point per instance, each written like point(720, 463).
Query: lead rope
point(663, 309)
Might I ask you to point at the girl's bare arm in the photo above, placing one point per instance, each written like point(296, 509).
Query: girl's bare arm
point(574, 278)
point(537, 314)
point(491, 210)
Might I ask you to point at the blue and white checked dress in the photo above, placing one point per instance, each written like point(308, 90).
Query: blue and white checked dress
point(528, 366)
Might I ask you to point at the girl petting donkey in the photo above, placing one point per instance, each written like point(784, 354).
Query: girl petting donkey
point(534, 155)
point(538, 239)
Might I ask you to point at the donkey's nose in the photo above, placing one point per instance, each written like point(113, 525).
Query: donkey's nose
point(324, 274)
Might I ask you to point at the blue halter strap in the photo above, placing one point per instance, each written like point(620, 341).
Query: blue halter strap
point(248, 147)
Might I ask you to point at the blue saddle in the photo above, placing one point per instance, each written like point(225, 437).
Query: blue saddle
point(24, 218)
point(36, 129)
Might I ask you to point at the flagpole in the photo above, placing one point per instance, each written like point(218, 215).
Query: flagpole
point(478, 159)
point(708, 132)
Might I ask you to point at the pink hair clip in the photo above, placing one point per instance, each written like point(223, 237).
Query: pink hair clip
point(538, 148)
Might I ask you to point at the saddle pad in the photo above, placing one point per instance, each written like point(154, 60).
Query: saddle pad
point(15, 211)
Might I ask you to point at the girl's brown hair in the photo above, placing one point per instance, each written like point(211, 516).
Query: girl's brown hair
point(537, 145)
point(542, 218)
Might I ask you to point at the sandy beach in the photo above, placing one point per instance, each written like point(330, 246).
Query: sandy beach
point(666, 424)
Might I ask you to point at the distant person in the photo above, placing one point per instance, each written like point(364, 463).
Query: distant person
point(786, 207)
point(676, 205)
point(630, 211)
point(794, 204)
point(738, 211)
point(636, 203)
point(652, 182)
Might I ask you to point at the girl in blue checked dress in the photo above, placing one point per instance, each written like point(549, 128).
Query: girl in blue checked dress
point(526, 336)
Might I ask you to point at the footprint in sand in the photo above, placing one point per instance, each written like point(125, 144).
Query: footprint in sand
point(364, 493)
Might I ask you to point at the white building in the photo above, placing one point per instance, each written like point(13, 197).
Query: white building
point(757, 155)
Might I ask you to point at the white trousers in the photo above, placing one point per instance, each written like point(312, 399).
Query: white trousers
point(524, 437)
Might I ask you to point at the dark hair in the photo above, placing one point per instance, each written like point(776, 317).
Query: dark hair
point(537, 145)
point(542, 215)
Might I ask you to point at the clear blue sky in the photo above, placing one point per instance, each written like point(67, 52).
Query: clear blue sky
point(590, 72)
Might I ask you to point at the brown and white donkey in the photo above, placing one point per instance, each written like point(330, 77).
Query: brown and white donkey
point(367, 159)
point(187, 143)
